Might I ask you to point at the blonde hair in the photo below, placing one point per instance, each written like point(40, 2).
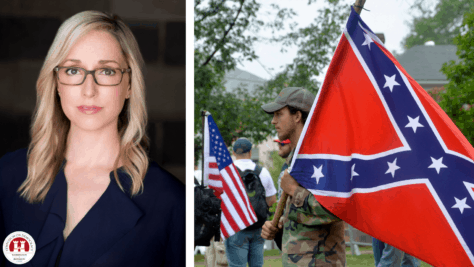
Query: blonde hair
point(50, 126)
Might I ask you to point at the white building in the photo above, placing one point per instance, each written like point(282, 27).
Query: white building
point(243, 79)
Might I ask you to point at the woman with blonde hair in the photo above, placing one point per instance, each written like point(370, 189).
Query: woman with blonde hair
point(84, 189)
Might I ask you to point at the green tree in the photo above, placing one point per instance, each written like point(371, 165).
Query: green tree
point(459, 95)
point(225, 32)
point(316, 44)
point(440, 25)
point(219, 28)
point(275, 170)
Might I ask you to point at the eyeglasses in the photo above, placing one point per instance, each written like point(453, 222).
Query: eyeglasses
point(102, 76)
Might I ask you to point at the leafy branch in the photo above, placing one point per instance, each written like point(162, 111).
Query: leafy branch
point(220, 43)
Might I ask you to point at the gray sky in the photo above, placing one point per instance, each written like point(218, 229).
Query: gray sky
point(387, 16)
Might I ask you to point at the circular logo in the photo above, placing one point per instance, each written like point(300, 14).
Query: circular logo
point(19, 247)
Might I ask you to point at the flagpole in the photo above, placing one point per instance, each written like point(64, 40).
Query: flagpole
point(279, 209)
point(358, 5)
point(203, 115)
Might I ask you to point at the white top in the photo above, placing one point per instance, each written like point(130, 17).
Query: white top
point(198, 176)
point(265, 177)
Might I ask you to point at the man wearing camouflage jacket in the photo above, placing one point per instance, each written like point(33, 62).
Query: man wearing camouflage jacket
point(312, 236)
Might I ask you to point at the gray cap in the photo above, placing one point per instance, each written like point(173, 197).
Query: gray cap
point(242, 145)
point(296, 97)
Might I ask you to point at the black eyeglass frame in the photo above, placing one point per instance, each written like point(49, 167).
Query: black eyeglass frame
point(87, 72)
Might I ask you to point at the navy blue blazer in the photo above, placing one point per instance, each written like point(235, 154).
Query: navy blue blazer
point(146, 230)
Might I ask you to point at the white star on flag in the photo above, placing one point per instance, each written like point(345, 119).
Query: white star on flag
point(414, 123)
point(353, 173)
point(318, 174)
point(390, 82)
point(437, 164)
point(392, 167)
point(461, 204)
point(368, 40)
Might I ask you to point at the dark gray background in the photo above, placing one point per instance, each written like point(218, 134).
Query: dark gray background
point(27, 29)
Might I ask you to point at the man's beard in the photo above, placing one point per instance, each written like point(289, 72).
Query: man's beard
point(283, 155)
point(287, 135)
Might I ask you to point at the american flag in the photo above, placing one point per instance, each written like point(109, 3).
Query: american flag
point(222, 176)
point(379, 153)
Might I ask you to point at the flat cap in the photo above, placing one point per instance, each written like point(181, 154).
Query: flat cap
point(296, 97)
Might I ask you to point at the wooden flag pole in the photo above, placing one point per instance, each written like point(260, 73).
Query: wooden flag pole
point(279, 209)
point(203, 114)
point(358, 5)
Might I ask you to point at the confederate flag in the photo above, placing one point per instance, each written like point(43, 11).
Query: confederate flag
point(379, 153)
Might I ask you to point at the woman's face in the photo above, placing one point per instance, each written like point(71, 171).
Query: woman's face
point(90, 106)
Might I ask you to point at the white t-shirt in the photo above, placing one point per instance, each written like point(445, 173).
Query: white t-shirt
point(265, 177)
point(198, 176)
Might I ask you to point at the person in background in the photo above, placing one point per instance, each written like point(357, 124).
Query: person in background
point(386, 255)
point(197, 175)
point(247, 245)
point(243, 154)
point(284, 150)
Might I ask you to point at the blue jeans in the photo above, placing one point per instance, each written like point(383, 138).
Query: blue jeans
point(245, 246)
point(386, 255)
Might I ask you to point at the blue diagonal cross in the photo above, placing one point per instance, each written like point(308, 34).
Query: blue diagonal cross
point(424, 157)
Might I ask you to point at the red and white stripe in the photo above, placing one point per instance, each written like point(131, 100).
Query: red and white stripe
point(214, 176)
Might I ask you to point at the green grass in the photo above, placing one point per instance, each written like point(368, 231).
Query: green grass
point(198, 258)
point(367, 260)
point(363, 260)
point(352, 261)
point(361, 248)
point(272, 263)
point(272, 252)
point(266, 253)
point(356, 261)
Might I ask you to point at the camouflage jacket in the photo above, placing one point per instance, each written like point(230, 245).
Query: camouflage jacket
point(312, 236)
